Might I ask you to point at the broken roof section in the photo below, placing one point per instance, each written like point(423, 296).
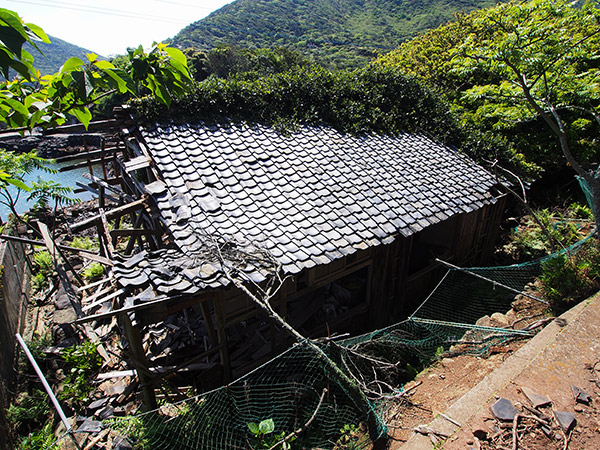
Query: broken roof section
point(307, 197)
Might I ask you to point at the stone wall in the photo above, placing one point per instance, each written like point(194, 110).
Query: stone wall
point(13, 306)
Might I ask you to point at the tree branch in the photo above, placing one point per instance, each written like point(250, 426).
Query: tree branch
point(303, 428)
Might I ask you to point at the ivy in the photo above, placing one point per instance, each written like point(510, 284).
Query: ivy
point(371, 99)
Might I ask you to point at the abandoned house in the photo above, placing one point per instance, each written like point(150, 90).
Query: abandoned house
point(352, 223)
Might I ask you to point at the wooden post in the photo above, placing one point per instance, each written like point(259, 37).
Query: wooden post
point(212, 335)
point(102, 148)
point(59, 260)
point(283, 311)
point(106, 233)
point(218, 301)
point(101, 198)
point(139, 361)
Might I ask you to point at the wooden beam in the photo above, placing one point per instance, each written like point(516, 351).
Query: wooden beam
point(218, 302)
point(102, 300)
point(212, 335)
point(132, 232)
point(139, 162)
point(79, 165)
point(140, 362)
point(86, 155)
point(137, 221)
point(106, 185)
point(58, 265)
point(95, 191)
point(98, 125)
point(89, 254)
point(106, 233)
point(95, 284)
point(185, 302)
point(112, 214)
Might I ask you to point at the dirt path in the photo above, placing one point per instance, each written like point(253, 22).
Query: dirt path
point(568, 356)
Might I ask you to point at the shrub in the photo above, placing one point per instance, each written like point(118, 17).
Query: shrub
point(84, 243)
point(82, 360)
point(43, 439)
point(579, 211)
point(43, 267)
point(567, 279)
point(528, 241)
point(28, 410)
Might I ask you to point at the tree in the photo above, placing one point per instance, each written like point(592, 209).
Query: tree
point(471, 61)
point(32, 100)
point(540, 60)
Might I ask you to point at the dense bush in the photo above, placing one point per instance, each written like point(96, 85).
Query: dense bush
point(570, 278)
point(565, 227)
point(378, 99)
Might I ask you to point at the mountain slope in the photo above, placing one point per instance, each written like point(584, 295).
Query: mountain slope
point(54, 54)
point(340, 33)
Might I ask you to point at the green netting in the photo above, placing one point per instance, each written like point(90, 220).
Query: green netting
point(288, 388)
point(587, 190)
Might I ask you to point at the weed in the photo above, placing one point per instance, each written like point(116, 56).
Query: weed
point(93, 272)
point(567, 279)
point(82, 360)
point(42, 270)
point(38, 343)
point(439, 352)
point(85, 243)
point(43, 439)
point(579, 211)
point(528, 241)
point(28, 411)
point(352, 437)
point(134, 428)
point(264, 436)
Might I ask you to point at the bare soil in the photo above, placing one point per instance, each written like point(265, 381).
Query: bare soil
point(440, 385)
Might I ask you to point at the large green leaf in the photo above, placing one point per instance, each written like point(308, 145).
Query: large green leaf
point(83, 84)
point(17, 183)
point(83, 115)
point(39, 32)
point(12, 39)
point(71, 64)
point(266, 426)
point(253, 427)
point(16, 105)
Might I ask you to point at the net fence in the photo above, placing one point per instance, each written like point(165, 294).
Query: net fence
point(299, 390)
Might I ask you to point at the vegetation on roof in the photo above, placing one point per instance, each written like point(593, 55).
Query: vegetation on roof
point(371, 99)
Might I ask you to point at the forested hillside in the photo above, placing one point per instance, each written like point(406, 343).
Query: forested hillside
point(54, 54)
point(335, 33)
point(508, 69)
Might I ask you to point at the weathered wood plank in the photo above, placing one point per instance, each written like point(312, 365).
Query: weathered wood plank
point(106, 233)
point(132, 232)
point(86, 155)
point(102, 300)
point(89, 254)
point(62, 274)
point(139, 162)
point(112, 214)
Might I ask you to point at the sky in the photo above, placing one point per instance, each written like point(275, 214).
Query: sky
point(108, 27)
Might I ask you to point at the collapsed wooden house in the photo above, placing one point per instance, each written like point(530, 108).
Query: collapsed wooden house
point(352, 223)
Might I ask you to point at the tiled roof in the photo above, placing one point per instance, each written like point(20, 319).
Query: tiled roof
point(308, 197)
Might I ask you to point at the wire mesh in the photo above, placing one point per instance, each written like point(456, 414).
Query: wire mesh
point(287, 389)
